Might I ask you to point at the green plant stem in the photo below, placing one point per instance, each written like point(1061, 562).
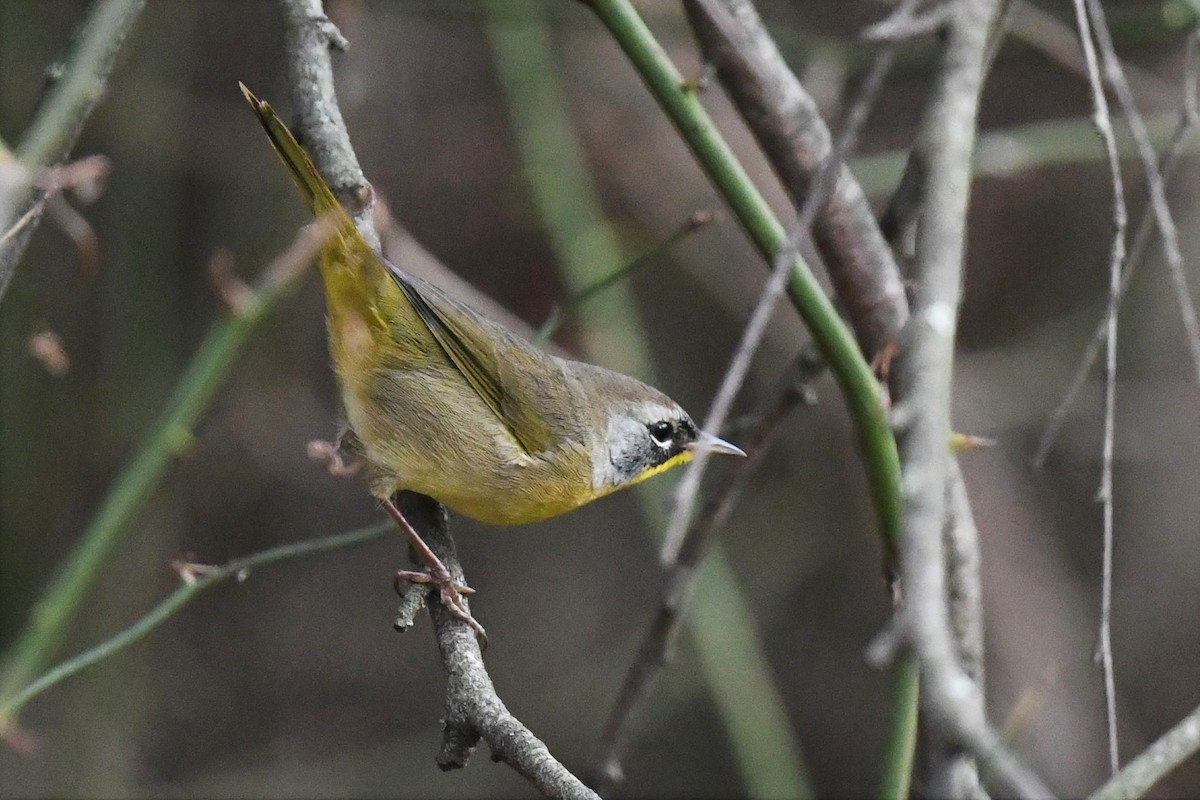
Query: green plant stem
point(731, 652)
point(837, 344)
point(169, 437)
point(901, 746)
point(174, 603)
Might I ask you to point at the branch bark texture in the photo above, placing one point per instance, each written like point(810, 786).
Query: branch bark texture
point(951, 702)
point(309, 38)
point(473, 709)
point(1149, 767)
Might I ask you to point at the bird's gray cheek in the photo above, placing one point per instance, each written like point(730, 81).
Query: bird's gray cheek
point(604, 471)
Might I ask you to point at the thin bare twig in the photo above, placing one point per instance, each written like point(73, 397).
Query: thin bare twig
point(473, 709)
point(678, 584)
point(1059, 42)
point(1103, 125)
point(1154, 180)
point(735, 375)
point(558, 314)
point(1137, 252)
point(194, 581)
point(1188, 119)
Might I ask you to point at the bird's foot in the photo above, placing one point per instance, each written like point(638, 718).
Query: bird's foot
point(335, 457)
point(450, 592)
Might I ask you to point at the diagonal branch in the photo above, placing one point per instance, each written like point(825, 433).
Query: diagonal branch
point(53, 132)
point(1152, 764)
point(788, 126)
point(1137, 251)
point(1168, 236)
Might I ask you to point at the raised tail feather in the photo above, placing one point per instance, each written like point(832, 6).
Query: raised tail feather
point(317, 194)
point(357, 284)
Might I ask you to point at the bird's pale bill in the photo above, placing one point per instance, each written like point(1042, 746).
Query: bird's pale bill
point(713, 444)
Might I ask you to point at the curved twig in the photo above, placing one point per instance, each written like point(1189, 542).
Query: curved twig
point(196, 578)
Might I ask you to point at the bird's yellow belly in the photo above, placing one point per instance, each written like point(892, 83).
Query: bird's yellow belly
point(499, 492)
point(445, 443)
point(511, 509)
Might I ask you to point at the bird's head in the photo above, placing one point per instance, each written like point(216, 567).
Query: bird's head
point(644, 436)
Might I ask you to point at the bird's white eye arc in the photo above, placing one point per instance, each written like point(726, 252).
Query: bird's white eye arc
point(661, 432)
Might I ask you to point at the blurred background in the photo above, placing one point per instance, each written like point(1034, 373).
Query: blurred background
point(293, 683)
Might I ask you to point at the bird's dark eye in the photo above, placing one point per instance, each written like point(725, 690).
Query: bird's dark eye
point(661, 432)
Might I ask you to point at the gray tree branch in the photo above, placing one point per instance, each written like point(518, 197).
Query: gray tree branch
point(951, 702)
point(473, 709)
point(953, 773)
point(309, 38)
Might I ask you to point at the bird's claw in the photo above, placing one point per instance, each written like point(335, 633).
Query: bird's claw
point(451, 594)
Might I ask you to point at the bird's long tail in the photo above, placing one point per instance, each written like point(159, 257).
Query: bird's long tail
point(357, 284)
point(316, 192)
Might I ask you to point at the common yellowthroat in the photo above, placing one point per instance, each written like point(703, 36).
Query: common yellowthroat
point(449, 404)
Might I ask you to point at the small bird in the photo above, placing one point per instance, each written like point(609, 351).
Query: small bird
point(444, 402)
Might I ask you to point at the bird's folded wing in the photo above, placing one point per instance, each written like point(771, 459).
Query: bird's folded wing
point(470, 342)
